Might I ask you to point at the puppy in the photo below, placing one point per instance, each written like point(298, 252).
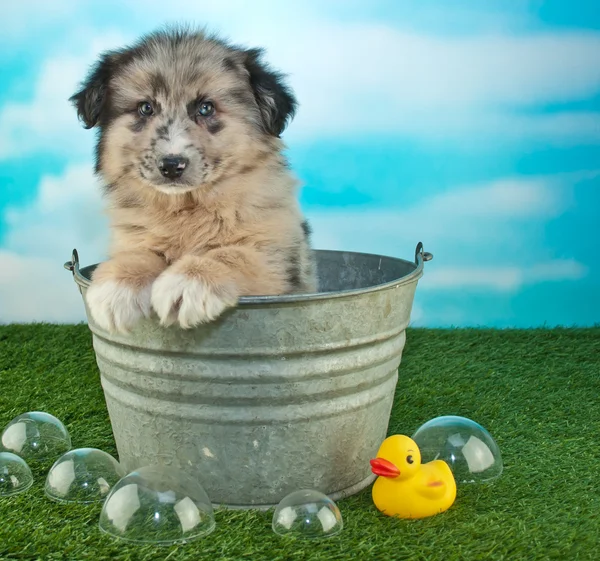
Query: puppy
point(202, 205)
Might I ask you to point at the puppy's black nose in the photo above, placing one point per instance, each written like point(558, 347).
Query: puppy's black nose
point(173, 167)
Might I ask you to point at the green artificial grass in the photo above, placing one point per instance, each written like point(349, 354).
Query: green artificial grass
point(536, 391)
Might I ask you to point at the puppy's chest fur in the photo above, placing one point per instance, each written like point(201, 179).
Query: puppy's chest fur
point(277, 233)
point(191, 230)
point(271, 226)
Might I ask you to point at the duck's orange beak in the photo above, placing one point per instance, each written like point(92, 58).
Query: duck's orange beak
point(382, 467)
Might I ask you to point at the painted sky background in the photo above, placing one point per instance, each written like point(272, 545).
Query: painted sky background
point(471, 126)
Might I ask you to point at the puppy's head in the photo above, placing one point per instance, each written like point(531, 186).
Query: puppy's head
point(179, 111)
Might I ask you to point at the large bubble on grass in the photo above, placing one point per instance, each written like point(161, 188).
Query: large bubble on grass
point(467, 447)
point(84, 475)
point(157, 505)
point(15, 475)
point(36, 436)
point(307, 514)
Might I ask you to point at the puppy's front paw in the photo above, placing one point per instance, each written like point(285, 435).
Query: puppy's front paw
point(190, 300)
point(116, 306)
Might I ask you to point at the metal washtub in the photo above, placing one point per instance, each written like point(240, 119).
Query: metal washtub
point(280, 393)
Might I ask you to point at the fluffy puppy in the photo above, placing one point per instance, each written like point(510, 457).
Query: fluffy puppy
point(202, 205)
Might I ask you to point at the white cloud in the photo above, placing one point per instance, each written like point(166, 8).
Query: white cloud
point(467, 217)
point(503, 198)
point(67, 213)
point(428, 87)
point(68, 209)
point(446, 73)
point(29, 17)
point(490, 236)
point(472, 127)
point(48, 122)
point(360, 79)
point(34, 289)
point(503, 279)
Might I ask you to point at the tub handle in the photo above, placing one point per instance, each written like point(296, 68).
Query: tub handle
point(421, 256)
point(73, 265)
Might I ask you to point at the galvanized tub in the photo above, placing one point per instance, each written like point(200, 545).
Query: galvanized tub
point(281, 393)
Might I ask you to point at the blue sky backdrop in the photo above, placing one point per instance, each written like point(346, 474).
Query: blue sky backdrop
point(471, 126)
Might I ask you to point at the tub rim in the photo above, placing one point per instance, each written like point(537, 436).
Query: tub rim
point(421, 257)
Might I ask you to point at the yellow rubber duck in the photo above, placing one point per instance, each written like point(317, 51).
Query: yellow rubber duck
point(406, 488)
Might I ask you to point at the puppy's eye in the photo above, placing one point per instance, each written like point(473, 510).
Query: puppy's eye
point(145, 109)
point(410, 460)
point(206, 109)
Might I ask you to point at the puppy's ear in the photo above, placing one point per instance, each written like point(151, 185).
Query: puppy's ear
point(90, 100)
point(275, 100)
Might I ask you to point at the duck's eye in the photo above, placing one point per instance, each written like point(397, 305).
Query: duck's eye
point(410, 460)
point(145, 109)
point(206, 109)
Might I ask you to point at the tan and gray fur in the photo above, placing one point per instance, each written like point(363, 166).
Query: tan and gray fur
point(203, 207)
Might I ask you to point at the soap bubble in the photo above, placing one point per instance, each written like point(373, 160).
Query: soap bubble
point(159, 505)
point(468, 448)
point(85, 475)
point(36, 436)
point(307, 514)
point(15, 475)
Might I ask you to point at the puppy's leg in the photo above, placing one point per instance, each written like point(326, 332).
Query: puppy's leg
point(197, 289)
point(119, 295)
